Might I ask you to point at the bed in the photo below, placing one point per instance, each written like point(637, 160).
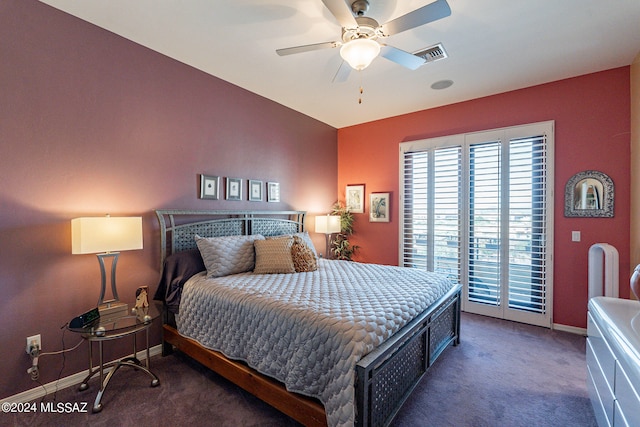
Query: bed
point(379, 340)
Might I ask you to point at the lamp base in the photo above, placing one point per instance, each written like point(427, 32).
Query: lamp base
point(113, 309)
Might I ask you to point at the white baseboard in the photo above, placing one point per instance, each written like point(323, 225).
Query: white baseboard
point(571, 329)
point(71, 380)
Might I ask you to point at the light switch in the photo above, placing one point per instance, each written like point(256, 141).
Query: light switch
point(575, 236)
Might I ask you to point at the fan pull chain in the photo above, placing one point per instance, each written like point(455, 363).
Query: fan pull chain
point(361, 89)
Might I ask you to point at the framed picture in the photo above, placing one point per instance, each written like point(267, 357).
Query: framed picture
point(234, 188)
point(355, 198)
point(255, 190)
point(379, 209)
point(273, 192)
point(209, 187)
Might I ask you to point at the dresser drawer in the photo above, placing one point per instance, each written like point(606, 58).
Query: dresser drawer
point(618, 417)
point(601, 350)
point(602, 393)
point(627, 397)
point(596, 402)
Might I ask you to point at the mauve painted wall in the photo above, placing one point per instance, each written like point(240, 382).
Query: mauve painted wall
point(91, 123)
point(592, 131)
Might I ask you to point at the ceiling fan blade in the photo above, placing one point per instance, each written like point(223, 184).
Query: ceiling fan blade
point(406, 59)
point(306, 48)
point(342, 74)
point(342, 12)
point(429, 13)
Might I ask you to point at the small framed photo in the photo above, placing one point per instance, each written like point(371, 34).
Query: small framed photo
point(273, 192)
point(234, 188)
point(379, 209)
point(209, 187)
point(355, 198)
point(255, 190)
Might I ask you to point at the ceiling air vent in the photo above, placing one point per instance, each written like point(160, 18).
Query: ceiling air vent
point(432, 54)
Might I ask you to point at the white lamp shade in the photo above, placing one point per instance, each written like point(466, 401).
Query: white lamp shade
point(328, 224)
point(91, 235)
point(359, 53)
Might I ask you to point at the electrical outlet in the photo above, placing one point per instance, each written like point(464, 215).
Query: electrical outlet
point(33, 341)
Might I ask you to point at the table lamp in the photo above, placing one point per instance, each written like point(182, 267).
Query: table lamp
point(105, 237)
point(328, 224)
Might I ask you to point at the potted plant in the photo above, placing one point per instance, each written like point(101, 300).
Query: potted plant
point(340, 246)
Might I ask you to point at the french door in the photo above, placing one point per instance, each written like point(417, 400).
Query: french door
point(479, 208)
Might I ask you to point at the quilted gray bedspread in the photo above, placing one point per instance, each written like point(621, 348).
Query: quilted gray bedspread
point(308, 330)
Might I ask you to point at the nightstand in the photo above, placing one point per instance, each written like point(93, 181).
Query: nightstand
point(115, 327)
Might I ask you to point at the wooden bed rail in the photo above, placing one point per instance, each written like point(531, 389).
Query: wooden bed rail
point(303, 409)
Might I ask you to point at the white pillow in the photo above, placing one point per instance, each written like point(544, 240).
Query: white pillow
point(227, 255)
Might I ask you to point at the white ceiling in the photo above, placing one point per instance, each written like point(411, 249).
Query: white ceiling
point(494, 46)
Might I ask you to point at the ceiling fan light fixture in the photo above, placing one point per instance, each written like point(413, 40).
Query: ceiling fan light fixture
point(360, 52)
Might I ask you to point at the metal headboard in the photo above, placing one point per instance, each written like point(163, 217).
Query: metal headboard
point(179, 227)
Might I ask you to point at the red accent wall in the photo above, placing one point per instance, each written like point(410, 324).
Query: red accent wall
point(91, 123)
point(592, 131)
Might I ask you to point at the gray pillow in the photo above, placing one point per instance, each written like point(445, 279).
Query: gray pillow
point(227, 255)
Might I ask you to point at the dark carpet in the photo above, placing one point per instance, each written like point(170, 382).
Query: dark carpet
point(502, 374)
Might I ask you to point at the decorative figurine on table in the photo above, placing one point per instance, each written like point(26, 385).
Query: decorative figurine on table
point(141, 309)
point(142, 301)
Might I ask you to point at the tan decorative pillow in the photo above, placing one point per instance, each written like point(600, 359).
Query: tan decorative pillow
point(305, 238)
point(274, 256)
point(303, 257)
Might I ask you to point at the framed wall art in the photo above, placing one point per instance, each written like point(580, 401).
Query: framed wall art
point(273, 192)
point(379, 209)
point(255, 190)
point(209, 187)
point(354, 195)
point(234, 188)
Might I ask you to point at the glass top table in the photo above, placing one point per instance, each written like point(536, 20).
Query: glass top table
point(126, 322)
point(117, 325)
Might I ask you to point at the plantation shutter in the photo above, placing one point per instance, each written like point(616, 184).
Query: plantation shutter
point(432, 211)
point(477, 207)
point(527, 229)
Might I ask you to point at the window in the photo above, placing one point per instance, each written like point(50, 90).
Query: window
point(478, 208)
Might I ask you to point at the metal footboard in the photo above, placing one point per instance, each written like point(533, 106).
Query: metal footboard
point(388, 375)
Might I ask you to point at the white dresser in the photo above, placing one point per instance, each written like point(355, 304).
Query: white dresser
point(613, 360)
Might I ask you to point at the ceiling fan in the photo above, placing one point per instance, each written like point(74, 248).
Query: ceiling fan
point(360, 35)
